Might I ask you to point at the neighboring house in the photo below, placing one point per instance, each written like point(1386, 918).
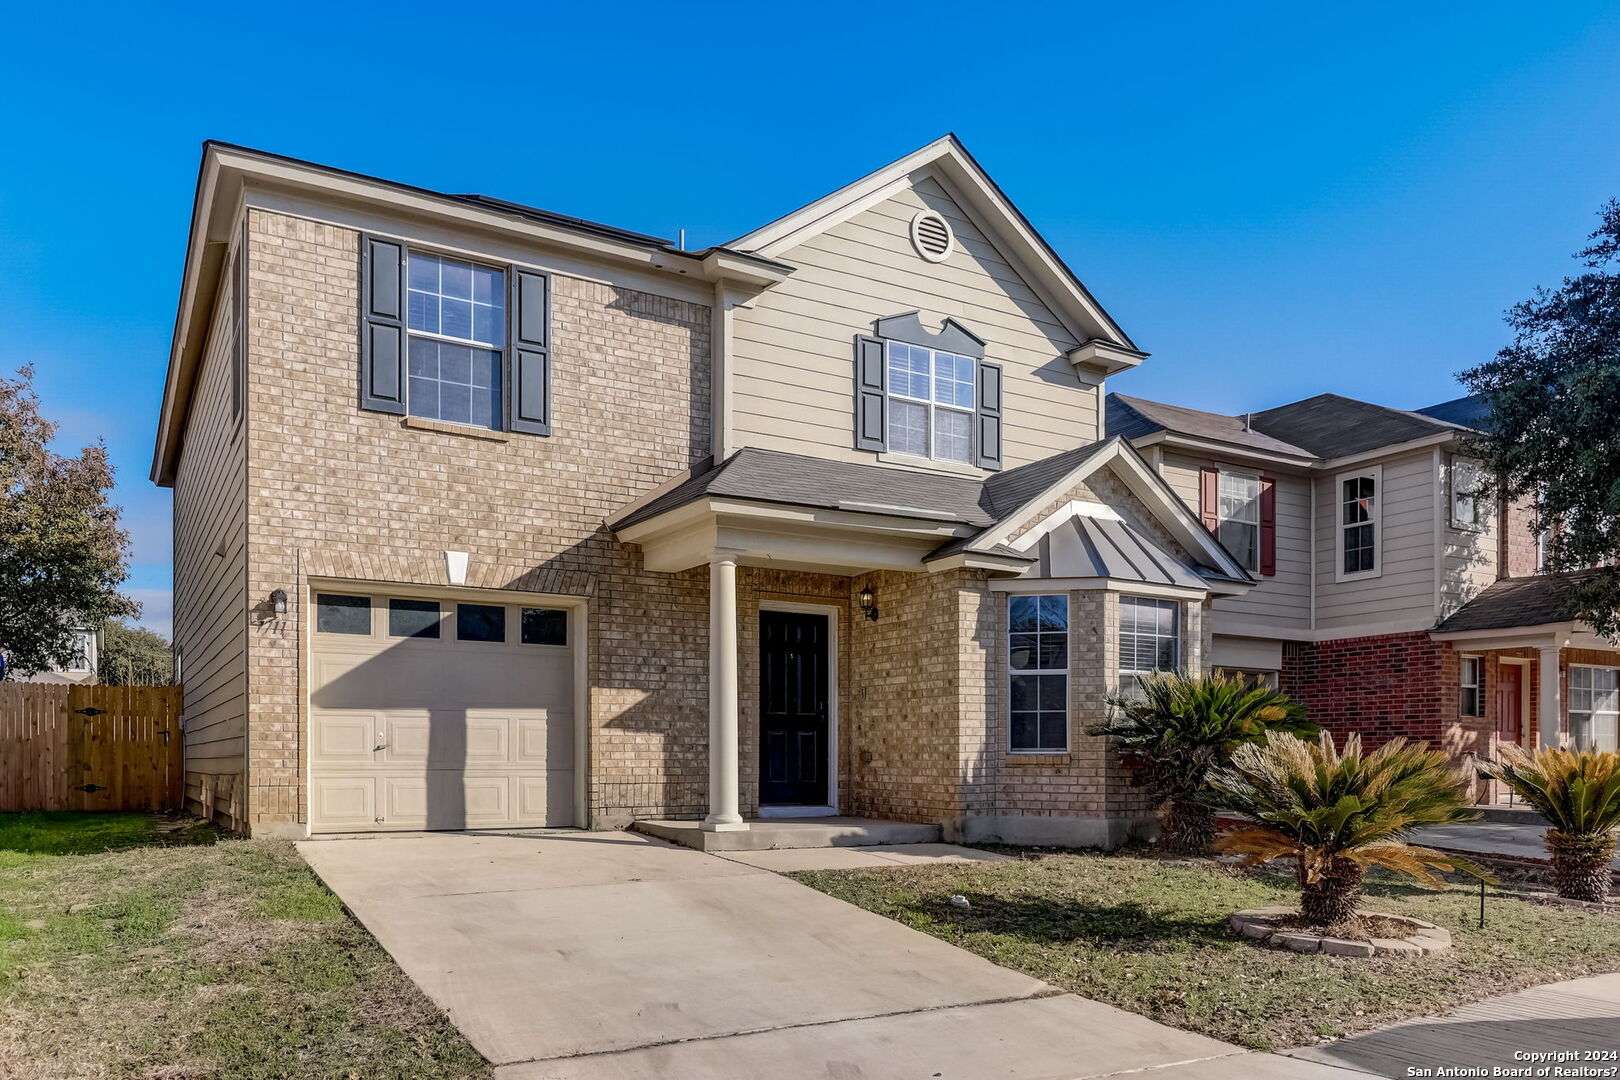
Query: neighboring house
point(490, 516)
point(1391, 601)
point(80, 670)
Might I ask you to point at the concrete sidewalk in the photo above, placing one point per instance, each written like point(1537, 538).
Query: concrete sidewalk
point(1519, 839)
point(1570, 1017)
point(613, 956)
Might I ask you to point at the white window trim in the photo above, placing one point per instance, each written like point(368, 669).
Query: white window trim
point(1376, 472)
point(1176, 634)
point(89, 654)
point(1068, 685)
point(1480, 517)
point(930, 404)
point(501, 351)
point(1257, 522)
point(1462, 684)
point(1570, 710)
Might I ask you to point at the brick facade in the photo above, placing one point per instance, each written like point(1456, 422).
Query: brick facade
point(1379, 687)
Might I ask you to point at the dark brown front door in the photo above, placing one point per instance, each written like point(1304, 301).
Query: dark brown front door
point(1509, 701)
point(793, 709)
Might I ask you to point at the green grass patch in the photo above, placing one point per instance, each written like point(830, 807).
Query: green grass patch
point(130, 948)
point(1150, 936)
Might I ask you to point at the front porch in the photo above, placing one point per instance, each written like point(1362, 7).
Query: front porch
point(773, 833)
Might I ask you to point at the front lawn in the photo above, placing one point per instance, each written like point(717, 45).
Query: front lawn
point(1150, 936)
point(137, 946)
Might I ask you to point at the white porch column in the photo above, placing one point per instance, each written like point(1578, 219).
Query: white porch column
point(1550, 714)
point(723, 813)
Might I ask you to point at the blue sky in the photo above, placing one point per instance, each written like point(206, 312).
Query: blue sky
point(1274, 201)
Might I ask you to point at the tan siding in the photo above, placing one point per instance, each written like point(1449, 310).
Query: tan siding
point(792, 352)
point(1471, 558)
point(210, 600)
point(1404, 591)
point(1282, 600)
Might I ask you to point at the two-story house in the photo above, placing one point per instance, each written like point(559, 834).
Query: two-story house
point(1391, 601)
point(490, 516)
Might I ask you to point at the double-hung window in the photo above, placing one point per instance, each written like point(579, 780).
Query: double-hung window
point(1239, 517)
point(930, 402)
point(1149, 639)
point(1594, 707)
point(457, 324)
point(1038, 673)
point(1466, 511)
point(1358, 524)
point(1473, 686)
point(80, 660)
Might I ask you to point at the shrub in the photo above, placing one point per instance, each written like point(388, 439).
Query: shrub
point(1579, 794)
point(1341, 813)
point(1178, 728)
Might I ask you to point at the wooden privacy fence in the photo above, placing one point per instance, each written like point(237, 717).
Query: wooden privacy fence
point(89, 747)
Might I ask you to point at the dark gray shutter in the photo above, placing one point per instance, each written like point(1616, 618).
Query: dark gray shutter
point(871, 403)
point(987, 418)
point(382, 324)
point(528, 386)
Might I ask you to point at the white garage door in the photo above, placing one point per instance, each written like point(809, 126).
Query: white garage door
point(439, 714)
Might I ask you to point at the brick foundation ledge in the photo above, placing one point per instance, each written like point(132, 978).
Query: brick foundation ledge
point(1042, 830)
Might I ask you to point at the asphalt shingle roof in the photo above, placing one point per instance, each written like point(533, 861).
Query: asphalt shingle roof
point(1514, 602)
point(1134, 417)
point(1331, 426)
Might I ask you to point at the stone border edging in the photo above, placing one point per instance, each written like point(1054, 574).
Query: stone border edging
point(1263, 925)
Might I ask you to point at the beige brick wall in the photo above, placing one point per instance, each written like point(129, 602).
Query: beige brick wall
point(337, 490)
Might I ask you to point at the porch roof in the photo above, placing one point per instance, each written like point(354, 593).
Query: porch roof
point(1511, 603)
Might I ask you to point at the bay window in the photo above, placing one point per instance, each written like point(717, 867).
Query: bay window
point(1038, 673)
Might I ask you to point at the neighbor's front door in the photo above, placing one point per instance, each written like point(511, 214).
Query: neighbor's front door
point(793, 709)
point(1509, 703)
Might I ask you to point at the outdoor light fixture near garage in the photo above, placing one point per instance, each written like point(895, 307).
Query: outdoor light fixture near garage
point(278, 601)
point(868, 601)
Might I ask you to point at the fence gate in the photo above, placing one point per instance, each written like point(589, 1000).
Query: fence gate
point(68, 747)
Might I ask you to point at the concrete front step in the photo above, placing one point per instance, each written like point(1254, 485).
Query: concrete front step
point(1521, 815)
point(774, 833)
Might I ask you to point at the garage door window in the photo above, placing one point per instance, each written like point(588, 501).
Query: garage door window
point(545, 626)
point(336, 614)
point(413, 618)
point(480, 622)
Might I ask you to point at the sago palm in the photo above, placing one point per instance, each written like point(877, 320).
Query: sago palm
point(1579, 794)
point(1341, 813)
point(1178, 727)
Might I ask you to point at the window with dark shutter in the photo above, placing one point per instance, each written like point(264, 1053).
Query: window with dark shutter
point(529, 399)
point(382, 325)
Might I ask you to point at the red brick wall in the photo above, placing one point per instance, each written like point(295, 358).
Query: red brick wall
point(1380, 687)
point(1517, 551)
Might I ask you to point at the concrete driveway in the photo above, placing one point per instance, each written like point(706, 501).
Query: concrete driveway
point(613, 956)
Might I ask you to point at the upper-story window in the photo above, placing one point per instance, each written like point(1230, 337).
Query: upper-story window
point(1467, 512)
point(457, 323)
point(930, 403)
point(930, 394)
point(1239, 511)
point(448, 339)
point(82, 658)
point(1240, 508)
point(1358, 528)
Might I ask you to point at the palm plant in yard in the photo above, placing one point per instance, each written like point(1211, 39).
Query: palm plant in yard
point(1341, 813)
point(1579, 794)
point(1177, 727)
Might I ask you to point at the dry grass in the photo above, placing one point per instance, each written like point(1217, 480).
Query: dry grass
point(228, 960)
point(1150, 936)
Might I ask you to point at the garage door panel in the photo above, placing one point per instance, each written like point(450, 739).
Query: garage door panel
point(344, 801)
point(548, 738)
point(440, 733)
point(346, 739)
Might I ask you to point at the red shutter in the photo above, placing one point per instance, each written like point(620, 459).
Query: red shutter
point(1268, 526)
point(1209, 498)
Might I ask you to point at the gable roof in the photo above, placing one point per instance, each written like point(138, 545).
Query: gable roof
point(948, 161)
point(1471, 411)
point(1515, 602)
point(1135, 417)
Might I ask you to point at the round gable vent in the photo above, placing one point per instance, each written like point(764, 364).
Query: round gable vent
point(932, 237)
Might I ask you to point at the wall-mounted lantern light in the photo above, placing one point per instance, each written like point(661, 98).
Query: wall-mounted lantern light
point(278, 601)
point(868, 602)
